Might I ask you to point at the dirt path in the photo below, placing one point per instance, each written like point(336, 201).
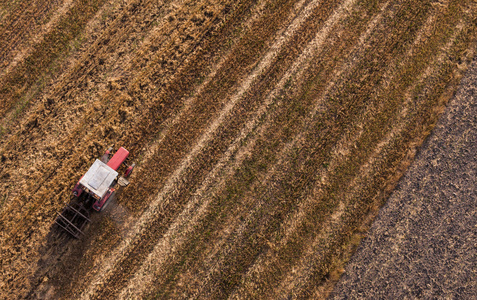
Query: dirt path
point(422, 243)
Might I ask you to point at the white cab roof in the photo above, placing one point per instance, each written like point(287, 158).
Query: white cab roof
point(99, 177)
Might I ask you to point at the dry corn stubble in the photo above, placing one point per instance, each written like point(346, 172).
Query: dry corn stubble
point(286, 133)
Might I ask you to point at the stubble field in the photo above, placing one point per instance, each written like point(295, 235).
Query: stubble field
point(266, 136)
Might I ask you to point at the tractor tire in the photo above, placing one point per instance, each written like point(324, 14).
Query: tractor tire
point(113, 195)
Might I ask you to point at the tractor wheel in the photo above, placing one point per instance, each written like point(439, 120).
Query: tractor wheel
point(113, 195)
point(129, 170)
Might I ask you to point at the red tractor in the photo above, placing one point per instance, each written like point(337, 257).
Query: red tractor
point(94, 191)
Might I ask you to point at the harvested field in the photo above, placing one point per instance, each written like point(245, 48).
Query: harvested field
point(266, 135)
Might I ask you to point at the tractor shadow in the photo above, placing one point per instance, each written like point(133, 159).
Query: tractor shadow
point(64, 260)
point(59, 257)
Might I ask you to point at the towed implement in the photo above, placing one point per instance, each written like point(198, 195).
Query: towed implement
point(94, 191)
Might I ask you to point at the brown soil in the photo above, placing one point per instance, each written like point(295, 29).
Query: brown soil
point(264, 132)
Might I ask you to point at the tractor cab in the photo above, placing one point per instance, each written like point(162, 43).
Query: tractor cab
point(101, 178)
point(98, 182)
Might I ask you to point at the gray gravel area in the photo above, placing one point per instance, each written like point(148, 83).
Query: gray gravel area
point(423, 243)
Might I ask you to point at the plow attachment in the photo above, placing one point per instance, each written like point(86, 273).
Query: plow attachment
point(73, 220)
